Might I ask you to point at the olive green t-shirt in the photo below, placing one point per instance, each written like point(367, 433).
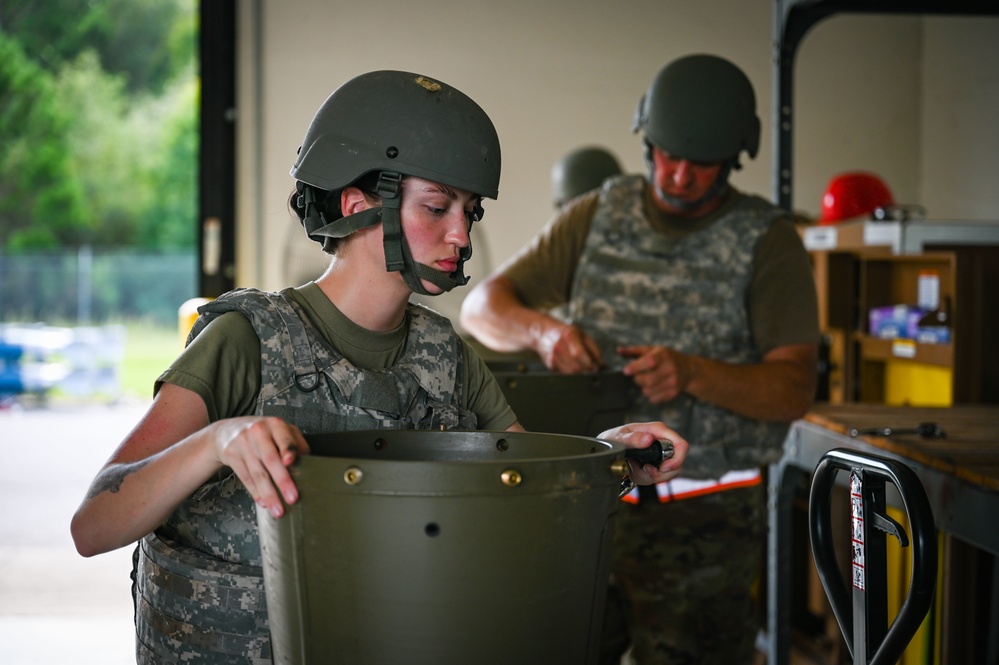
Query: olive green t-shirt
point(781, 300)
point(222, 364)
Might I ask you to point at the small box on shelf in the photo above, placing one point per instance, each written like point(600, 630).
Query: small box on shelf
point(895, 321)
point(908, 322)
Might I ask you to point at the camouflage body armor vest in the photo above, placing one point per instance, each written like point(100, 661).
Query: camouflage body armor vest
point(198, 580)
point(636, 286)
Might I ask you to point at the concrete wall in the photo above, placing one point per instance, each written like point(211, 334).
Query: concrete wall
point(912, 98)
point(960, 130)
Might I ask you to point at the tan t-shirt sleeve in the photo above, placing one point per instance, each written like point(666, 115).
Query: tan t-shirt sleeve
point(222, 365)
point(782, 301)
point(542, 271)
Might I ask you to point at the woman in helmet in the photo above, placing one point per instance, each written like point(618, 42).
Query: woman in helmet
point(390, 178)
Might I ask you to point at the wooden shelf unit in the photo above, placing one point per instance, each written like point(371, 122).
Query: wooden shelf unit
point(851, 281)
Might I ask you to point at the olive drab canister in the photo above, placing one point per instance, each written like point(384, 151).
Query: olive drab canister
point(701, 108)
point(396, 124)
point(576, 404)
point(443, 547)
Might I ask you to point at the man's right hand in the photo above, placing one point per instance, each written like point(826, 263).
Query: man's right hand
point(566, 349)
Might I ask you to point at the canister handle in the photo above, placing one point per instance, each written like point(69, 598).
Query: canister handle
point(655, 454)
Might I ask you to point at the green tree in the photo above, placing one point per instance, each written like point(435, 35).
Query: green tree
point(169, 219)
point(144, 41)
point(37, 181)
point(109, 150)
point(99, 119)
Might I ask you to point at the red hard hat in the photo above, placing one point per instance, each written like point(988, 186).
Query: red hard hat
point(853, 194)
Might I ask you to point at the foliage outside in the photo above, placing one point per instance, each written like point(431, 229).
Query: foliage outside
point(98, 170)
point(98, 114)
point(149, 350)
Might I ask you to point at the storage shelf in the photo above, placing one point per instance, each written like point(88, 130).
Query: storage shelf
point(876, 349)
point(852, 283)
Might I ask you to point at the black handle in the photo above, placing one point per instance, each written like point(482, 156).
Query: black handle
point(863, 617)
point(655, 454)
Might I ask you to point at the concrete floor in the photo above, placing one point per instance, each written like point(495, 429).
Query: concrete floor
point(56, 606)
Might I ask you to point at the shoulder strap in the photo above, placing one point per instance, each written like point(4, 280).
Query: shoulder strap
point(267, 311)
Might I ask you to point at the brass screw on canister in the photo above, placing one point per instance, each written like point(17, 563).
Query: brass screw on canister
point(511, 477)
point(353, 475)
point(619, 467)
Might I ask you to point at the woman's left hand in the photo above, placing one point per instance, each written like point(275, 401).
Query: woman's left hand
point(642, 435)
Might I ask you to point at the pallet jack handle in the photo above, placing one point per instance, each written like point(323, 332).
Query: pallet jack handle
point(863, 615)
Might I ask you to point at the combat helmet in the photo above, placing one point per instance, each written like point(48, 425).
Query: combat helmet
point(395, 124)
point(701, 108)
point(580, 170)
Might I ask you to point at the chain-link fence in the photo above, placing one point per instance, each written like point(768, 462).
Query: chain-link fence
point(96, 286)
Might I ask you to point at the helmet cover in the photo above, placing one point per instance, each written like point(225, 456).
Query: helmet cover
point(401, 122)
point(701, 108)
point(580, 171)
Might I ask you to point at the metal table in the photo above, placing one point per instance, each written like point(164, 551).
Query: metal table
point(960, 474)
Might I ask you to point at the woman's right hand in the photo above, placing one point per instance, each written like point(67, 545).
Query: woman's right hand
point(259, 450)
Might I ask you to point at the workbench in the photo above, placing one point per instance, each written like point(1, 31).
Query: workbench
point(960, 474)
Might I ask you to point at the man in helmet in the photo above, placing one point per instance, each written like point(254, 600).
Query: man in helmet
point(344, 352)
point(704, 296)
point(580, 170)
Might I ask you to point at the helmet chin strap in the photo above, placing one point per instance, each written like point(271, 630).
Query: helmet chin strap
point(398, 257)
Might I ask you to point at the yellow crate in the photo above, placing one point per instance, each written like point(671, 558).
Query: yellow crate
point(918, 384)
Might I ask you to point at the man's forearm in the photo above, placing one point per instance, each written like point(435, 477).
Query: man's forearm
point(494, 314)
point(778, 389)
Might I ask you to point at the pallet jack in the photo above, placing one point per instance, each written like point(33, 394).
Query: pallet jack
point(861, 608)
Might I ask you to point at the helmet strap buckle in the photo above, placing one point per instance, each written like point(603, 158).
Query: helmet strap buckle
point(313, 219)
point(389, 185)
point(389, 188)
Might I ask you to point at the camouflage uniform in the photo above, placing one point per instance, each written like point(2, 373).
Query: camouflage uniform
point(199, 583)
point(636, 287)
point(683, 580)
point(682, 571)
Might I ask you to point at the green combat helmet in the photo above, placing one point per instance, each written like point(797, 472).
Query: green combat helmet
point(701, 108)
point(396, 124)
point(581, 170)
